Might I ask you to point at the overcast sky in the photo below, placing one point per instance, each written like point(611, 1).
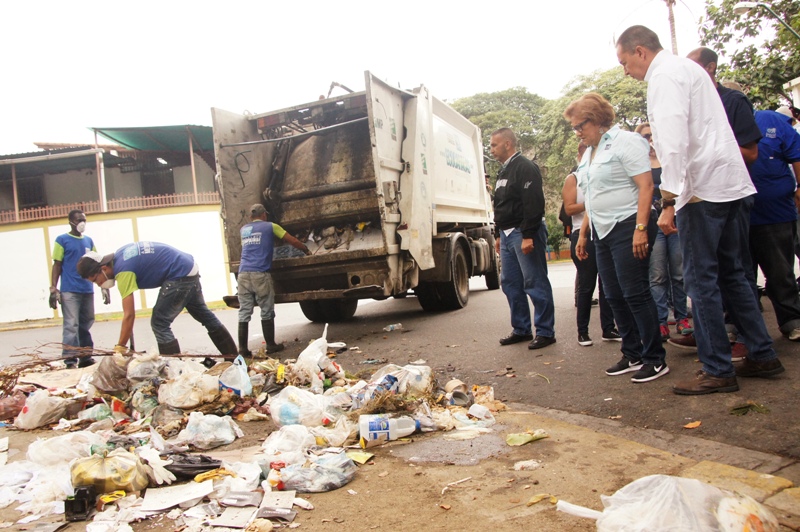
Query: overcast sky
point(69, 66)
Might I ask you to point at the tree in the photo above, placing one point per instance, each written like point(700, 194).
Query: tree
point(514, 108)
point(762, 54)
point(555, 233)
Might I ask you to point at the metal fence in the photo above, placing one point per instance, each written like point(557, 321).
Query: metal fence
point(115, 205)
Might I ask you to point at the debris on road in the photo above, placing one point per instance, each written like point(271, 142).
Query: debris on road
point(521, 438)
point(749, 406)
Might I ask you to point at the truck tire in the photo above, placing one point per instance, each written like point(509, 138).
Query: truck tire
point(493, 275)
point(428, 297)
point(312, 311)
point(455, 293)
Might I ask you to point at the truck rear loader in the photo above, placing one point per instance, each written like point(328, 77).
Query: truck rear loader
point(385, 186)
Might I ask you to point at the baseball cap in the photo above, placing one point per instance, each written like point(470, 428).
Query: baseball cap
point(257, 210)
point(91, 262)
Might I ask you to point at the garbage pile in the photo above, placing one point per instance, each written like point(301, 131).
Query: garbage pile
point(136, 430)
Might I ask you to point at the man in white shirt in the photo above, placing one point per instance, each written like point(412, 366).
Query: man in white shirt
point(703, 177)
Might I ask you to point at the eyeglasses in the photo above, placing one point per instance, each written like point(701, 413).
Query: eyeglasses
point(648, 136)
point(579, 127)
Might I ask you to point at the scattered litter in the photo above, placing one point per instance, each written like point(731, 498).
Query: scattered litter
point(360, 457)
point(445, 506)
point(615, 417)
point(352, 492)
point(749, 406)
point(456, 483)
point(540, 497)
point(608, 399)
point(527, 465)
point(393, 327)
point(419, 362)
point(164, 498)
point(373, 361)
point(522, 438)
point(693, 425)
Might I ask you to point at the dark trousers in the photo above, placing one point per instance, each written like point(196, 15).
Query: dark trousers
point(174, 296)
point(586, 280)
point(772, 249)
point(626, 280)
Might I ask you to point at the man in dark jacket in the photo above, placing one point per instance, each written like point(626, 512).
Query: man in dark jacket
point(521, 241)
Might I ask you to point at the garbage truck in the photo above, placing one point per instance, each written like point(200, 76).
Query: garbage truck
point(385, 186)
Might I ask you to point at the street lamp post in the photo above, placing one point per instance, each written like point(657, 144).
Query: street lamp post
point(742, 8)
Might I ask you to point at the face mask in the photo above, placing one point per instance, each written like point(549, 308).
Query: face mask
point(109, 283)
point(81, 227)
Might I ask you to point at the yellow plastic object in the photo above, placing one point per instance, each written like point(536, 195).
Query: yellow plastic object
point(118, 470)
point(111, 497)
point(214, 474)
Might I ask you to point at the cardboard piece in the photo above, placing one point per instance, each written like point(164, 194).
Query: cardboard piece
point(234, 517)
point(163, 498)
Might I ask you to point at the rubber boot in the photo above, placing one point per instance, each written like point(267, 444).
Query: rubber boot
point(268, 328)
point(170, 348)
point(243, 326)
point(224, 342)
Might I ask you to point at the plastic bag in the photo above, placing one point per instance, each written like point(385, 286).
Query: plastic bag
point(236, 379)
point(313, 365)
point(12, 405)
point(111, 374)
point(285, 447)
point(319, 474)
point(45, 492)
point(293, 406)
point(209, 431)
point(144, 398)
point(335, 435)
point(96, 412)
point(40, 409)
point(411, 379)
point(118, 470)
point(146, 367)
point(189, 390)
point(63, 449)
point(662, 502)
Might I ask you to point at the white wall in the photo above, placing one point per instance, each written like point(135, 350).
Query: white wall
point(119, 185)
point(183, 177)
point(25, 282)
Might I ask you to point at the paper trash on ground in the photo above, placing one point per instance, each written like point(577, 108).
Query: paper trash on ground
point(164, 498)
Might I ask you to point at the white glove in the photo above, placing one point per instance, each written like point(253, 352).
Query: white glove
point(156, 470)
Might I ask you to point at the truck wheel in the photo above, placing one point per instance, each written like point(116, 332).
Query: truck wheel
point(455, 293)
point(493, 275)
point(428, 297)
point(336, 310)
point(312, 311)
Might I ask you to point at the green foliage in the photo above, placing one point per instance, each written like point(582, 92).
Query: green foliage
point(514, 108)
point(555, 232)
point(761, 54)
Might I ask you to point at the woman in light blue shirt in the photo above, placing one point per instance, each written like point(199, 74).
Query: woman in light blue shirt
point(614, 175)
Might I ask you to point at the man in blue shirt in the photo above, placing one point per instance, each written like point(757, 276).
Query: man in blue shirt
point(143, 265)
point(774, 214)
point(76, 295)
point(255, 281)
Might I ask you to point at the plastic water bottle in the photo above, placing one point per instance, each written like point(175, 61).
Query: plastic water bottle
point(393, 327)
point(376, 429)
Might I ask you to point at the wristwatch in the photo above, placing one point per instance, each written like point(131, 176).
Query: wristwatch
point(667, 203)
point(641, 227)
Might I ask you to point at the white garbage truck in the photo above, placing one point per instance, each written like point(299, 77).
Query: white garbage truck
point(385, 186)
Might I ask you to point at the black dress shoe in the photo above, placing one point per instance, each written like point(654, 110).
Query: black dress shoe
point(515, 338)
point(541, 341)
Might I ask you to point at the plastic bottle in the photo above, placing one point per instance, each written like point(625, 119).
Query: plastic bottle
point(376, 429)
point(393, 327)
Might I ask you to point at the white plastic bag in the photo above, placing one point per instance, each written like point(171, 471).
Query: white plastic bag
point(411, 379)
point(146, 367)
point(286, 445)
point(63, 449)
point(189, 390)
point(313, 364)
point(663, 502)
point(293, 406)
point(319, 474)
point(209, 431)
point(236, 379)
point(41, 409)
point(337, 434)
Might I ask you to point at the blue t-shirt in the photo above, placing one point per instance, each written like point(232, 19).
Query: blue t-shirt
point(68, 250)
point(149, 265)
point(778, 148)
point(258, 244)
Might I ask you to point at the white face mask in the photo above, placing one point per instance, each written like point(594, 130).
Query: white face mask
point(109, 283)
point(81, 227)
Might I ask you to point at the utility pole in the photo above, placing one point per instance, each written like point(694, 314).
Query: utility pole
point(671, 3)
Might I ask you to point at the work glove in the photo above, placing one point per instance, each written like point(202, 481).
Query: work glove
point(55, 297)
point(121, 349)
point(307, 251)
point(156, 470)
point(106, 296)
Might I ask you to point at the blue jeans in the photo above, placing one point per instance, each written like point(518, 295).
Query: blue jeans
point(586, 276)
point(255, 288)
point(524, 276)
point(78, 311)
point(626, 281)
point(772, 248)
point(666, 270)
point(174, 296)
point(714, 270)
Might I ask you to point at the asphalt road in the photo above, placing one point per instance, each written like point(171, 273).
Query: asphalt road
point(464, 345)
